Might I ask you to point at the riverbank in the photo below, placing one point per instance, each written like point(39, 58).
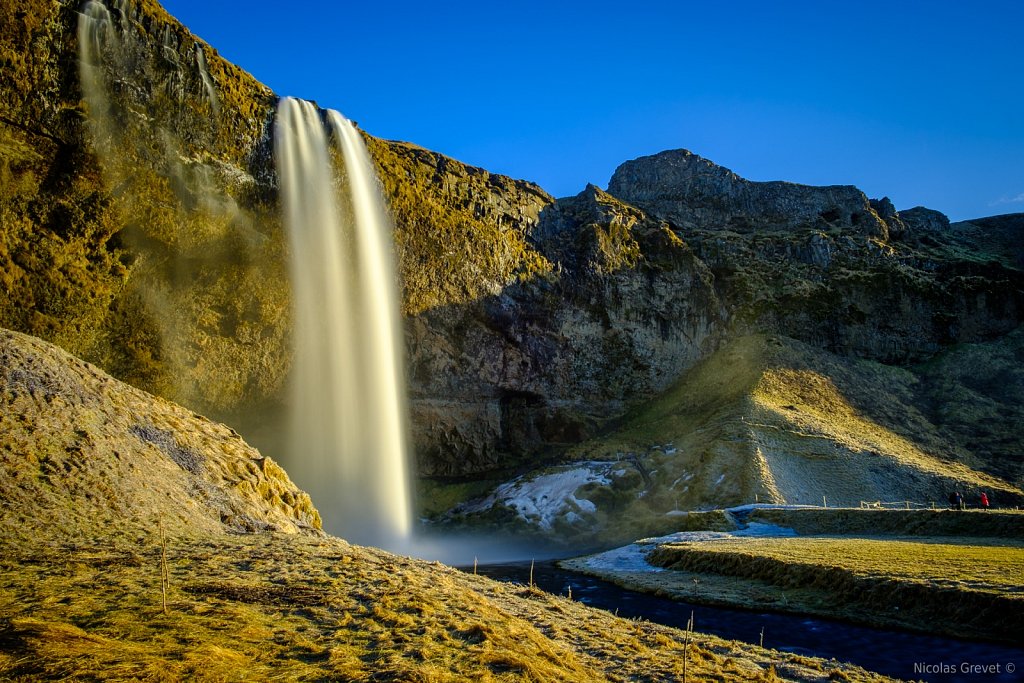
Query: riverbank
point(960, 586)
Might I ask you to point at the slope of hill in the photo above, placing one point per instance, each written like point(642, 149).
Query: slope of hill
point(139, 541)
point(84, 455)
point(771, 419)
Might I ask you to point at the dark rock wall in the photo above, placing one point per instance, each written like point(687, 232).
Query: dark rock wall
point(692, 192)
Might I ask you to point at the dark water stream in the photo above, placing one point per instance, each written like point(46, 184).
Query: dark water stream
point(899, 654)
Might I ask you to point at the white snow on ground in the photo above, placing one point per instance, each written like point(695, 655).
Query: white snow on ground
point(629, 558)
point(633, 557)
point(543, 499)
point(685, 477)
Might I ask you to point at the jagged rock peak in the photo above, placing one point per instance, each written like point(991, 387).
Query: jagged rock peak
point(692, 192)
point(591, 206)
point(921, 219)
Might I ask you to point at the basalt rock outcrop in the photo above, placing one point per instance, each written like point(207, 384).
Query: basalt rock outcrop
point(829, 266)
point(624, 307)
point(153, 247)
point(692, 192)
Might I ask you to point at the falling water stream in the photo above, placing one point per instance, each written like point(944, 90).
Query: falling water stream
point(96, 34)
point(349, 423)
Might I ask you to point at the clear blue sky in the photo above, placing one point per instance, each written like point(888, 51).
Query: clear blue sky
point(919, 101)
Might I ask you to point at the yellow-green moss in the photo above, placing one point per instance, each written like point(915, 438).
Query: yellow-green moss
point(446, 254)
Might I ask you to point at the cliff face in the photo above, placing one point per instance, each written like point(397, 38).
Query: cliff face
point(623, 308)
point(141, 229)
point(152, 246)
point(829, 266)
point(141, 238)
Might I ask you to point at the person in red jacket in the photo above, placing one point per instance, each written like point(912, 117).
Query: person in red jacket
point(984, 501)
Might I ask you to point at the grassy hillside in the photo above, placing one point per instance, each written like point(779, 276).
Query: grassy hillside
point(959, 586)
point(268, 607)
point(795, 418)
point(139, 541)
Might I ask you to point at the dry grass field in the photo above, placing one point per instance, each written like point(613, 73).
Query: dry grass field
point(907, 569)
point(142, 542)
point(275, 607)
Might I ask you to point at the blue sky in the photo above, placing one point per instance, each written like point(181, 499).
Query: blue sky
point(919, 101)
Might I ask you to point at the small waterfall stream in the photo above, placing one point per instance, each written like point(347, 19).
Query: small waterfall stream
point(349, 422)
point(96, 35)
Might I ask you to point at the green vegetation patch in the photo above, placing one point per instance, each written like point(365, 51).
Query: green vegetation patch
point(460, 232)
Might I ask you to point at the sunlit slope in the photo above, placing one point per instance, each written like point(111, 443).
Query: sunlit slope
point(83, 456)
point(139, 541)
point(772, 419)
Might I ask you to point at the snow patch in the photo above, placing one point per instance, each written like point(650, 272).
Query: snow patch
point(544, 498)
point(629, 558)
point(684, 477)
point(633, 557)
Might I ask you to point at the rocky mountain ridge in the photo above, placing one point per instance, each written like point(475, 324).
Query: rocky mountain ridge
point(154, 248)
point(690, 191)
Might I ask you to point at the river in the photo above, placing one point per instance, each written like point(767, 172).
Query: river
point(900, 654)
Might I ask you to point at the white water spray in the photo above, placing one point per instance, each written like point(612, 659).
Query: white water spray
point(349, 425)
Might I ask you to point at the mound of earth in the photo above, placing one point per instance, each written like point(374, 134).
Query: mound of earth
point(84, 456)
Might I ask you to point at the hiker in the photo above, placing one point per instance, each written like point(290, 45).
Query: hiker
point(984, 501)
point(956, 501)
point(952, 500)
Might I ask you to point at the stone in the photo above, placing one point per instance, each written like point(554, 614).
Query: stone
point(920, 219)
point(690, 191)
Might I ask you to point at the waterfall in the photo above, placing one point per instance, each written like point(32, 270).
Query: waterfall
point(96, 36)
point(348, 428)
point(349, 421)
